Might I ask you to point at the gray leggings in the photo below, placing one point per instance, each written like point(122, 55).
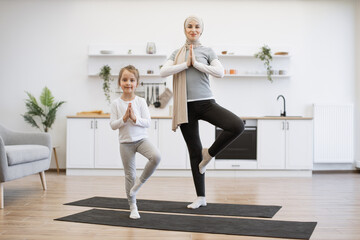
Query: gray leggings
point(127, 152)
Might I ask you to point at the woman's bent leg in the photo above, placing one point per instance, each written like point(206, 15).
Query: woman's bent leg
point(231, 124)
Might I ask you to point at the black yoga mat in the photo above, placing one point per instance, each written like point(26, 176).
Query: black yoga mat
point(199, 224)
point(238, 210)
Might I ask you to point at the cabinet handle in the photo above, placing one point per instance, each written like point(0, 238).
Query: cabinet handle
point(155, 125)
point(92, 124)
point(287, 125)
point(283, 125)
point(95, 124)
point(235, 165)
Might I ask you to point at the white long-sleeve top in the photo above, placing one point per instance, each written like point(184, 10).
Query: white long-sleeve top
point(215, 68)
point(130, 131)
point(205, 63)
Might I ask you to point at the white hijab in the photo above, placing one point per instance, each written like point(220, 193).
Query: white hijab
point(199, 21)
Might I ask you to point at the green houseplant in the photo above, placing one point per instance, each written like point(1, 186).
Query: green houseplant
point(265, 55)
point(45, 113)
point(105, 74)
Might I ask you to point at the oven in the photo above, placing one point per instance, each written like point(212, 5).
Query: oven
point(243, 147)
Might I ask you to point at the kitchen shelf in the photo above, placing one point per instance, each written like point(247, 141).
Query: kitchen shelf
point(118, 58)
point(256, 75)
point(248, 66)
point(249, 56)
point(141, 75)
point(127, 55)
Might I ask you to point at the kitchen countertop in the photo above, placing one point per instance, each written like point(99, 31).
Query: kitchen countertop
point(169, 117)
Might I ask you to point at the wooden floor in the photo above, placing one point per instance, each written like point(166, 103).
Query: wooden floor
point(333, 200)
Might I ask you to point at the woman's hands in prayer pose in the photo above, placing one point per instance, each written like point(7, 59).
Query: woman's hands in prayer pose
point(191, 57)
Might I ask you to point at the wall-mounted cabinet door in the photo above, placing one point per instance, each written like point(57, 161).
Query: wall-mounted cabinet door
point(271, 144)
point(80, 143)
point(107, 152)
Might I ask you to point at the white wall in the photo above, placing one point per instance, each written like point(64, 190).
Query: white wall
point(46, 43)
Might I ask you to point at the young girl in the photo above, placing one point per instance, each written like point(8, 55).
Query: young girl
point(191, 66)
point(131, 116)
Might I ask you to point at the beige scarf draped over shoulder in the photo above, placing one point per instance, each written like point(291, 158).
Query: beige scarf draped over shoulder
point(180, 115)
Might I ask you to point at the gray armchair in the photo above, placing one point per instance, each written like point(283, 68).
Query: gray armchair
point(23, 154)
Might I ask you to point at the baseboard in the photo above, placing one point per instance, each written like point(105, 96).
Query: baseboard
point(187, 173)
point(334, 166)
point(336, 171)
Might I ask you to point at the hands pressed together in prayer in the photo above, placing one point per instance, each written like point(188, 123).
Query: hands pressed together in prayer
point(191, 57)
point(129, 114)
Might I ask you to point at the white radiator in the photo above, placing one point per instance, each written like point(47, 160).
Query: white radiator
point(333, 133)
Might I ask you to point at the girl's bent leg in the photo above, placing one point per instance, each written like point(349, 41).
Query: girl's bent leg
point(148, 150)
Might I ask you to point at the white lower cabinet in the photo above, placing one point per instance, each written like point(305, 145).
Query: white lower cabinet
point(91, 143)
point(172, 146)
point(285, 144)
point(281, 144)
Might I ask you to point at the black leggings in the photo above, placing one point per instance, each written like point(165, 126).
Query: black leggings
point(210, 111)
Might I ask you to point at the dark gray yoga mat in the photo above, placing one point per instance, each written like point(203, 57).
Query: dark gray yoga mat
point(238, 210)
point(199, 224)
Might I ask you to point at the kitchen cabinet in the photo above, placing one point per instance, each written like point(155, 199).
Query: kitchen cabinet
point(172, 147)
point(91, 143)
point(170, 144)
point(247, 66)
point(285, 144)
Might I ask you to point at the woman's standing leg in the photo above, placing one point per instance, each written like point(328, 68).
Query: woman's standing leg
point(190, 132)
point(148, 150)
point(127, 152)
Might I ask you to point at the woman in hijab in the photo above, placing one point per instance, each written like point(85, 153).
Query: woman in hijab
point(193, 101)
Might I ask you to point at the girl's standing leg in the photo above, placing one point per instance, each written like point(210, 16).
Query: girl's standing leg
point(127, 152)
point(148, 150)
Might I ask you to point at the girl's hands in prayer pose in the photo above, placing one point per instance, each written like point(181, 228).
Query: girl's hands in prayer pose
point(127, 113)
point(131, 113)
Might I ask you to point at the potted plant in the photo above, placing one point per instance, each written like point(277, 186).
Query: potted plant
point(265, 55)
point(45, 113)
point(105, 74)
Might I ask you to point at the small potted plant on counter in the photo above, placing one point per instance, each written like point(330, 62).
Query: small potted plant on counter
point(105, 74)
point(265, 55)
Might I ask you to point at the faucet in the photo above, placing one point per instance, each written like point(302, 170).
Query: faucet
point(283, 114)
